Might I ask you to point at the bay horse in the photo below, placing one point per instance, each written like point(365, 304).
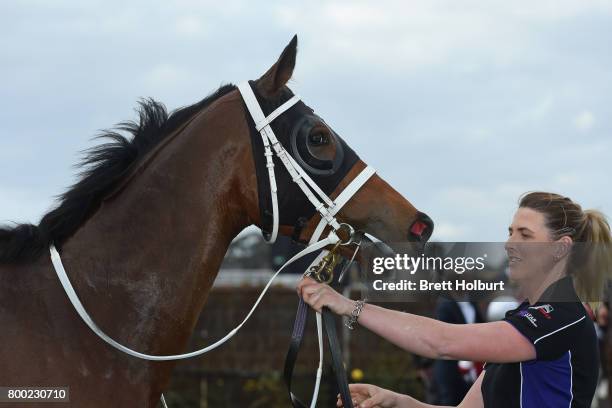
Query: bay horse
point(144, 230)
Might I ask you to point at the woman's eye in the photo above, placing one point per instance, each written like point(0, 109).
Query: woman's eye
point(318, 139)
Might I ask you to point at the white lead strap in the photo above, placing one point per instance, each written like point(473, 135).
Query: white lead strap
point(339, 202)
point(76, 303)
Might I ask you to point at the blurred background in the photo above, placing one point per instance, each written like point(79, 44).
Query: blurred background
point(461, 106)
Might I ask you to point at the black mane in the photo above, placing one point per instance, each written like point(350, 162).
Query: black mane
point(104, 167)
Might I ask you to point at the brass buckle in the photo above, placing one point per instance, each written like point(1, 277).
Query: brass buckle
point(323, 272)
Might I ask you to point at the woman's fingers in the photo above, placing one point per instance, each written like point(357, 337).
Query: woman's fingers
point(311, 293)
point(372, 402)
point(310, 290)
point(319, 298)
point(306, 282)
point(318, 295)
point(359, 393)
point(316, 300)
point(356, 398)
point(359, 388)
point(366, 395)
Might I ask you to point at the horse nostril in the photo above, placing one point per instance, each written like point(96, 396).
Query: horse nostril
point(422, 228)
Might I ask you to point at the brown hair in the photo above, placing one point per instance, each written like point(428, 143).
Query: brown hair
point(590, 263)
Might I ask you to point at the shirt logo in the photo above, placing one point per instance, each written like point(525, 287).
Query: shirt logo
point(528, 316)
point(544, 310)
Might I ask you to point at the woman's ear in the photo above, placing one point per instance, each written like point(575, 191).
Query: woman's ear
point(277, 76)
point(563, 247)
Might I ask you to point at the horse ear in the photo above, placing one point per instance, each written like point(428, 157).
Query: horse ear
point(277, 76)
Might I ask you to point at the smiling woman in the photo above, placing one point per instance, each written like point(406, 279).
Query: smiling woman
point(543, 353)
point(552, 217)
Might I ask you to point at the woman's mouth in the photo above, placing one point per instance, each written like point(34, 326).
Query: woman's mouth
point(513, 260)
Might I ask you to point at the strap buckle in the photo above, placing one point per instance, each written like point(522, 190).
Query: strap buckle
point(350, 231)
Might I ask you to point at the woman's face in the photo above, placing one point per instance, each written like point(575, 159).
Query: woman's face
point(529, 246)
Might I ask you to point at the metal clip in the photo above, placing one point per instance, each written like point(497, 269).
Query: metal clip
point(323, 272)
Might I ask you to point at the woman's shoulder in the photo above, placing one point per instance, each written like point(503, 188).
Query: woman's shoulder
point(554, 327)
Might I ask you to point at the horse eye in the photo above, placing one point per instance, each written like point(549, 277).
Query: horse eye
point(318, 139)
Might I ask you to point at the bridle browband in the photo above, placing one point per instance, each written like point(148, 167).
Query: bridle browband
point(325, 206)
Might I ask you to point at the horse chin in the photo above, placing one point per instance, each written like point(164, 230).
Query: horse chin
point(393, 248)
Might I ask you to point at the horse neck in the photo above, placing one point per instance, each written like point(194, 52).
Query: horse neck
point(144, 263)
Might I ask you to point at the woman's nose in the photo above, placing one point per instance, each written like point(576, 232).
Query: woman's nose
point(510, 245)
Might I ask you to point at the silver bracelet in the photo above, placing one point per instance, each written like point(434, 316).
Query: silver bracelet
point(355, 314)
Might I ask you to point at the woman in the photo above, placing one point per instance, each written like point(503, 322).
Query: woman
point(542, 354)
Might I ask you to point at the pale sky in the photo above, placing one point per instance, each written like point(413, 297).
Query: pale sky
point(460, 105)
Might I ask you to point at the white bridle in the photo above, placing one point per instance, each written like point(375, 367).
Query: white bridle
point(326, 207)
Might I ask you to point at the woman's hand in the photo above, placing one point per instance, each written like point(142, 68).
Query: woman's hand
point(318, 295)
point(371, 396)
